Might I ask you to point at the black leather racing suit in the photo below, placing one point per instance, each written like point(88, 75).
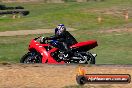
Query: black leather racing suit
point(65, 40)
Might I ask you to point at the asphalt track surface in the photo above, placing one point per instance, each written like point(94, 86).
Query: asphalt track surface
point(55, 76)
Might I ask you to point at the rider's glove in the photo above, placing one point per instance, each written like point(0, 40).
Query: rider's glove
point(42, 40)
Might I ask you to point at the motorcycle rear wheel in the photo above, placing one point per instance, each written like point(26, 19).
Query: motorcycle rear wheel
point(31, 57)
point(91, 58)
point(88, 58)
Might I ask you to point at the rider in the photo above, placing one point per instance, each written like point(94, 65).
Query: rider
point(63, 40)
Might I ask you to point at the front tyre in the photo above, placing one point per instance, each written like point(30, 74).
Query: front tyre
point(31, 57)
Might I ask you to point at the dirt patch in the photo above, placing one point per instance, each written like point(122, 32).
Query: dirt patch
point(54, 76)
point(116, 30)
point(42, 31)
point(115, 11)
point(27, 32)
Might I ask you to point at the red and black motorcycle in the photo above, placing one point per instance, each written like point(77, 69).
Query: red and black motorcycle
point(46, 53)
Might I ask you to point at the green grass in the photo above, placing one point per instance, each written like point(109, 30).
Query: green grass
point(112, 49)
point(71, 14)
point(13, 48)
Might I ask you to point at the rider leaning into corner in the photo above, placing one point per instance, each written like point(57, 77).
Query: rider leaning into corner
point(62, 39)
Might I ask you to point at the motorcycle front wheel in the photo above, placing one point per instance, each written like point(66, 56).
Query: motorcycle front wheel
point(31, 57)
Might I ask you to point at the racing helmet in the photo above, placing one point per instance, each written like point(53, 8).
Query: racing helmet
point(60, 29)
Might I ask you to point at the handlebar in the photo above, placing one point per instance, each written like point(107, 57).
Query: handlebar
point(43, 40)
point(47, 42)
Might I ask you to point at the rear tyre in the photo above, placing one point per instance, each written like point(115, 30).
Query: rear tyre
point(88, 58)
point(92, 61)
point(31, 57)
point(92, 58)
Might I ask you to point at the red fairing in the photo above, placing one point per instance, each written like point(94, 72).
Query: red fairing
point(87, 44)
point(46, 57)
point(51, 60)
